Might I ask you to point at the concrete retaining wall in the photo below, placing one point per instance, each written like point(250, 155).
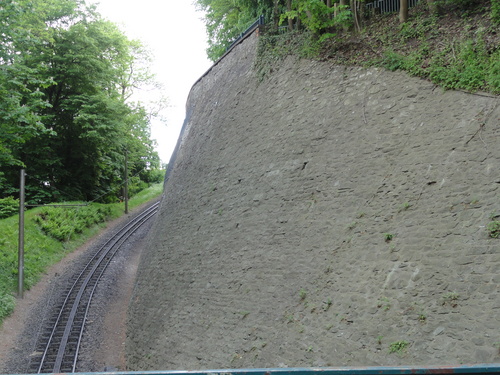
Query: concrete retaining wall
point(272, 245)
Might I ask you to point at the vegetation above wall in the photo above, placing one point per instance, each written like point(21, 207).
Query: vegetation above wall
point(454, 43)
point(456, 49)
point(335, 216)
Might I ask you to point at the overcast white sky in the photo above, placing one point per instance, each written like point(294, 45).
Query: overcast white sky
point(175, 33)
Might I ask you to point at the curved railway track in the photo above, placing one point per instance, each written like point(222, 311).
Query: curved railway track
point(59, 343)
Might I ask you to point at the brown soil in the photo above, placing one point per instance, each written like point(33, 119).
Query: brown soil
point(434, 32)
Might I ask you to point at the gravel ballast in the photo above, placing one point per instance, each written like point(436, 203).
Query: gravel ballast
point(104, 337)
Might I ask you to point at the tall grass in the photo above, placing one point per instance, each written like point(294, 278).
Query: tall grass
point(50, 233)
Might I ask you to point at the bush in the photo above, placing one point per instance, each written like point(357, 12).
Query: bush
point(469, 70)
point(493, 74)
point(135, 186)
point(462, 4)
point(62, 223)
point(8, 207)
point(7, 304)
point(495, 11)
point(42, 249)
point(152, 176)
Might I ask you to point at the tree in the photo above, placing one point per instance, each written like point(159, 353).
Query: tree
point(24, 34)
point(355, 8)
point(226, 19)
point(66, 77)
point(403, 11)
point(93, 67)
point(321, 16)
point(313, 14)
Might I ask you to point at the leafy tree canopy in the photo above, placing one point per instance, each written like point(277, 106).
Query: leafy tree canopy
point(66, 80)
point(226, 19)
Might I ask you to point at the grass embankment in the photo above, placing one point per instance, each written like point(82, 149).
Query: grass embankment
point(50, 234)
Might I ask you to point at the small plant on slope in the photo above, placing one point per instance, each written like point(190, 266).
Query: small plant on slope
point(303, 294)
point(398, 347)
point(494, 229)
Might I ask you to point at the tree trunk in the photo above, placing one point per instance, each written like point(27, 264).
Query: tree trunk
point(289, 9)
point(337, 10)
point(276, 16)
point(355, 15)
point(403, 11)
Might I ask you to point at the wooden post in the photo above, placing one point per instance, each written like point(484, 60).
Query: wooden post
point(126, 182)
point(20, 260)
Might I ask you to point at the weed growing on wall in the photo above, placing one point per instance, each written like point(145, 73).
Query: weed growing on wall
point(384, 303)
point(302, 294)
point(494, 229)
point(398, 347)
point(451, 298)
point(405, 206)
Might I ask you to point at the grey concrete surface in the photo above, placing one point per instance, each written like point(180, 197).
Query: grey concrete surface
point(272, 245)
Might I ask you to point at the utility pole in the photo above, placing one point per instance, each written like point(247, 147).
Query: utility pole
point(126, 181)
point(22, 207)
point(20, 269)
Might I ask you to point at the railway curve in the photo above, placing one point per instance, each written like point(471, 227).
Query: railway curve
point(60, 336)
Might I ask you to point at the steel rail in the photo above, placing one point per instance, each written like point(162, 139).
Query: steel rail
point(69, 324)
point(83, 281)
point(132, 231)
point(78, 288)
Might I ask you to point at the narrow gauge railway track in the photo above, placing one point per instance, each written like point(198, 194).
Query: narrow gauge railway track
point(58, 345)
